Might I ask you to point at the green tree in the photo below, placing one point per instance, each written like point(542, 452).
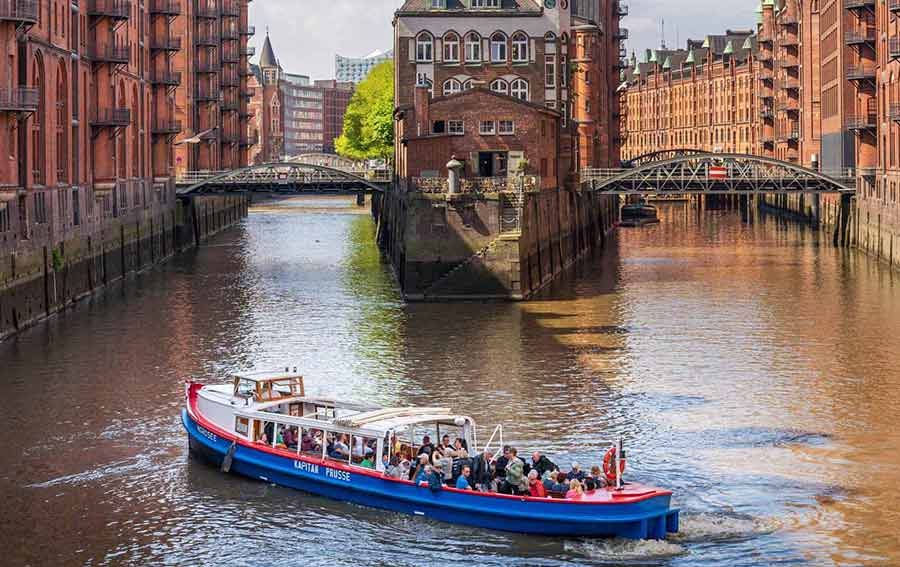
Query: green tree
point(369, 120)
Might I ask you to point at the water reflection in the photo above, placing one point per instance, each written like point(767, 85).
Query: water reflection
point(749, 365)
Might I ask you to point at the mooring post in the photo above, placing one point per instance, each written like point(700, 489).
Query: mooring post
point(842, 226)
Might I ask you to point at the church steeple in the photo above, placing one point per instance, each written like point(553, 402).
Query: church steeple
point(268, 64)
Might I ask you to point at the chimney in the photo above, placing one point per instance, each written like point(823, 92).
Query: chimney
point(421, 101)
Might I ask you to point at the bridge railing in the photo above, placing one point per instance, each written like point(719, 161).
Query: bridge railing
point(476, 185)
point(276, 174)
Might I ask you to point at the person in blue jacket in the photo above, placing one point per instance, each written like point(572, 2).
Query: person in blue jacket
point(436, 478)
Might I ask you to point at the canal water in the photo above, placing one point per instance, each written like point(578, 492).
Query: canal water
point(749, 366)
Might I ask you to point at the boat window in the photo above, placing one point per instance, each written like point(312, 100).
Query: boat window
point(364, 451)
point(338, 446)
point(310, 442)
point(265, 432)
point(296, 410)
point(242, 426)
point(245, 388)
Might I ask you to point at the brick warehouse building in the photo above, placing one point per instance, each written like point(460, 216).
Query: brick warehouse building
point(91, 102)
point(562, 58)
point(826, 97)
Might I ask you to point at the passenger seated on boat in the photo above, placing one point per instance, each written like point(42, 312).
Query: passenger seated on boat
point(418, 474)
point(426, 448)
point(264, 439)
point(589, 485)
point(500, 464)
point(462, 481)
point(576, 473)
point(575, 489)
point(308, 443)
point(556, 483)
point(482, 471)
point(289, 437)
point(368, 462)
point(436, 478)
point(339, 449)
point(535, 486)
point(542, 464)
point(598, 477)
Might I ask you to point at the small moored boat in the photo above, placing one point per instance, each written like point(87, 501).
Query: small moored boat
point(638, 214)
point(264, 426)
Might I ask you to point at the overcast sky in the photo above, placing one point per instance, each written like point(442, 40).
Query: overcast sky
point(307, 34)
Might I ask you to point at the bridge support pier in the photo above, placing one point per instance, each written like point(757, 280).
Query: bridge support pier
point(842, 226)
point(361, 199)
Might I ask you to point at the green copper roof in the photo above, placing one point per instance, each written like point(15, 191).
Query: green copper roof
point(729, 49)
point(690, 58)
point(637, 71)
point(706, 43)
point(768, 2)
point(622, 76)
point(747, 43)
point(667, 64)
point(652, 57)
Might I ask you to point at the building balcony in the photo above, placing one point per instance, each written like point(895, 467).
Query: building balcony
point(765, 76)
point(165, 44)
point(248, 93)
point(112, 54)
point(19, 11)
point(894, 47)
point(248, 51)
point(245, 115)
point(207, 95)
point(231, 56)
point(788, 105)
point(19, 99)
point(169, 8)
point(764, 57)
point(207, 12)
point(859, 122)
point(231, 33)
point(858, 4)
point(894, 6)
point(767, 140)
point(231, 9)
point(894, 112)
point(111, 118)
point(165, 127)
point(230, 80)
point(766, 114)
point(207, 39)
point(250, 139)
point(789, 135)
point(231, 105)
point(766, 37)
point(229, 138)
point(789, 40)
point(621, 33)
point(789, 84)
point(206, 68)
point(789, 63)
point(860, 37)
point(166, 78)
point(246, 71)
point(860, 72)
point(766, 96)
point(251, 30)
point(787, 20)
point(114, 9)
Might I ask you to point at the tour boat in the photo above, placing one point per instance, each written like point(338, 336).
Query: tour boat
point(240, 426)
point(638, 214)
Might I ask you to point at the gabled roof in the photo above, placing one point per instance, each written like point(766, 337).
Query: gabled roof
point(507, 7)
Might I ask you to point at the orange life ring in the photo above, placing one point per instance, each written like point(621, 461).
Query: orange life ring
point(609, 465)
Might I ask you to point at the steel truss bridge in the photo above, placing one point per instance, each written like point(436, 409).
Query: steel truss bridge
point(660, 155)
point(284, 177)
point(717, 174)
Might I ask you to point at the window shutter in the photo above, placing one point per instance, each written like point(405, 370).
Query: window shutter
point(438, 50)
point(532, 48)
point(412, 50)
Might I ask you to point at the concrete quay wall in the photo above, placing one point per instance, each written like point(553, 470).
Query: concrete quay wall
point(47, 273)
point(458, 247)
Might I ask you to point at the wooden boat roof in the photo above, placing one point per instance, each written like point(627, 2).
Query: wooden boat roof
point(268, 376)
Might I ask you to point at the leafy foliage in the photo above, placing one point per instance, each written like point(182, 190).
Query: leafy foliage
point(369, 121)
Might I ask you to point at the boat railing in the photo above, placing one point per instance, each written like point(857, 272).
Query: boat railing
point(498, 430)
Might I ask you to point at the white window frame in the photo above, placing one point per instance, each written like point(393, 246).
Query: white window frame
point(451, 47)
point(485, 3)
point(510, 132)
point(473, 47)
point(468, 85)
point(424, 48)
point(456, 127)
point(520, 47)
point(499, 48)
point(550, 71)
point(520, 87)
point(500, 86)
point(451, 86)
point(492, 131)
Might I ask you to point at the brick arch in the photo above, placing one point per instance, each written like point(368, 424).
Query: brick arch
point(63, 122)
point(39, 121)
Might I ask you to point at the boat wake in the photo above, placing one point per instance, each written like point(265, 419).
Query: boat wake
point(715, 527)
point(617, 550)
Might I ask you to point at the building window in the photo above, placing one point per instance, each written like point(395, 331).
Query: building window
point(468, 85)
point(498, 48)
point(487, 128)
point(485, 3)
point(452, 86)
point(473, 48)
point(500, 86)
point(519, 89)
point(520, 48)
point(424, 48)
point(438, 127)
point(422, 80)
point(455, 127)
point(563, 61)
point(451, 48)
point(550, 71)
point(506, 127)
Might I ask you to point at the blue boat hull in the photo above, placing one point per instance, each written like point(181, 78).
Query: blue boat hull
point(651, 518)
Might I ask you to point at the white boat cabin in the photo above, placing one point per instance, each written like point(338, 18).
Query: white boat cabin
point(273, 409)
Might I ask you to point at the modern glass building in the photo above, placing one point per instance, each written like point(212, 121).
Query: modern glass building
point(355, 69)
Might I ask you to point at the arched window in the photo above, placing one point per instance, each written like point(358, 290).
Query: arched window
point(135, 134)
point(122, 143)
point(473, 48)
point(37, 124)
point(424, 48)
point(498, 48)
point(500, 86)
point(549, 37)
point(519, 89)
point(519, 48)
point(468, 85)
point(451, 48)
point(452, 86)
point(62, 124)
